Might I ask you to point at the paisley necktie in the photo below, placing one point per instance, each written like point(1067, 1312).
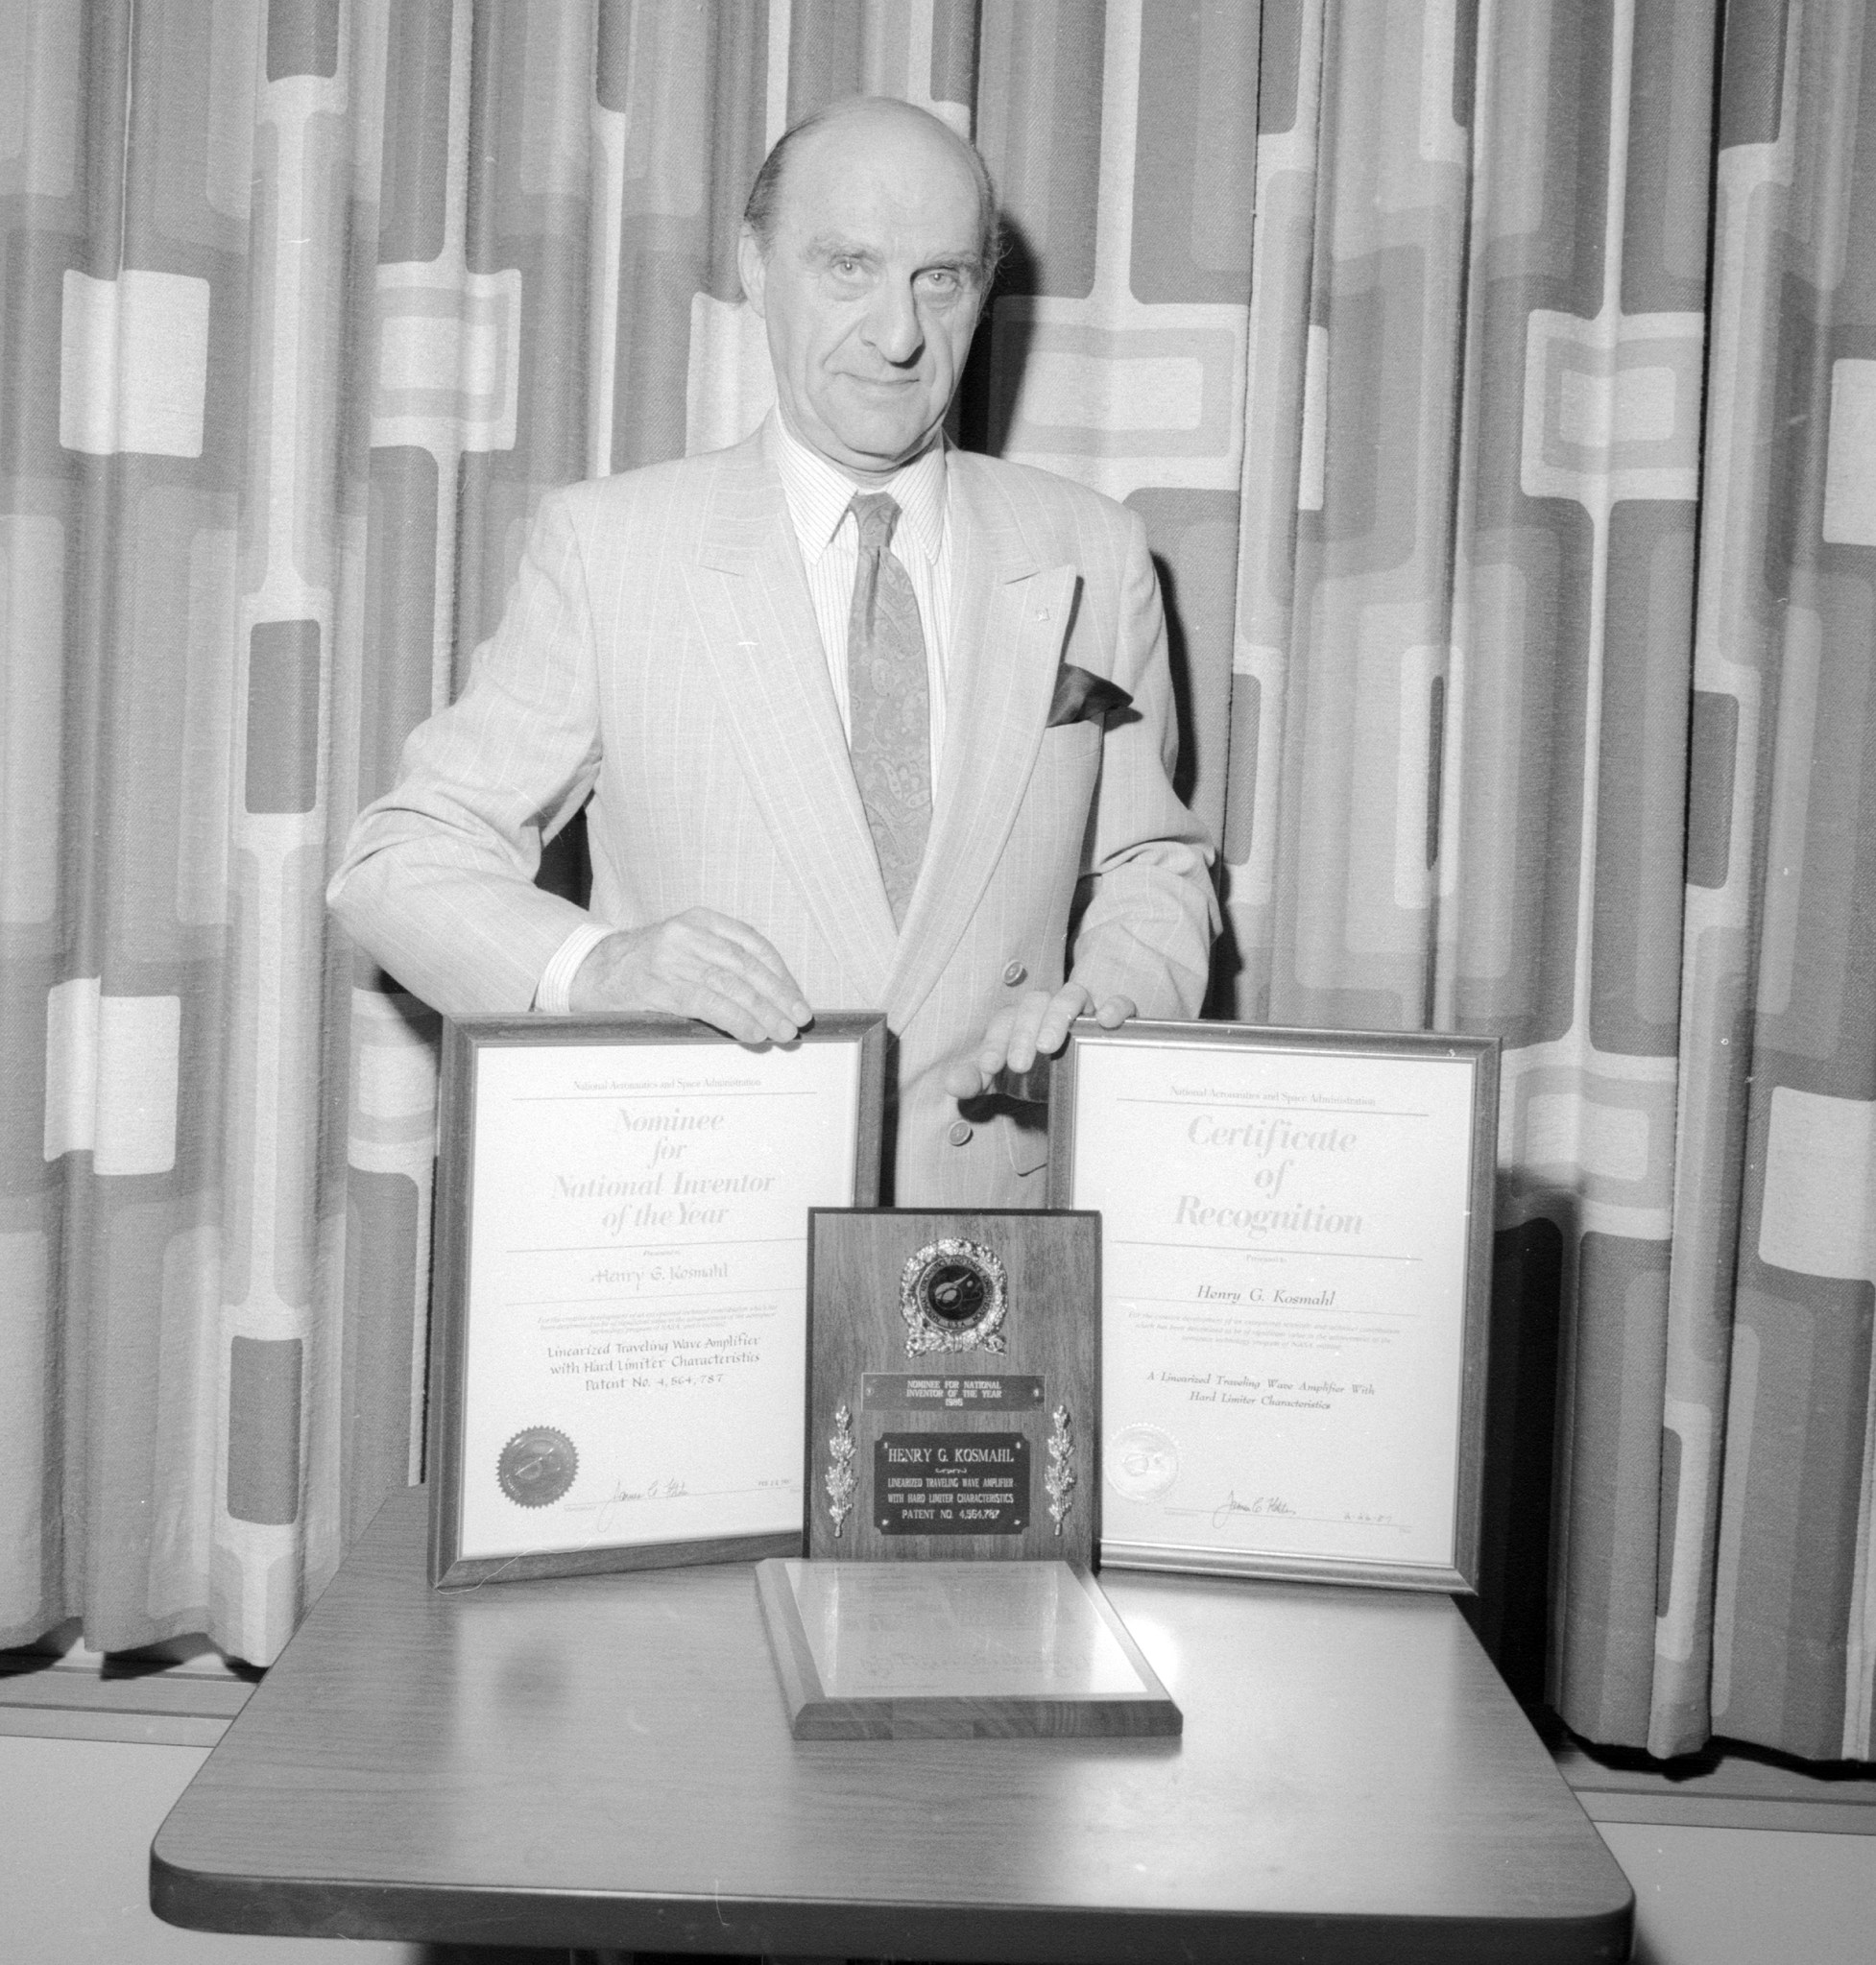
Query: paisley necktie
point(888, 711)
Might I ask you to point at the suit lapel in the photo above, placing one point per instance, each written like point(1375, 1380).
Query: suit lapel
point(1008, 624)
point(764, 647)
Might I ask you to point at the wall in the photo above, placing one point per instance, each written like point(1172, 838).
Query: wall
point(1748, 1896)
point(75, 1885)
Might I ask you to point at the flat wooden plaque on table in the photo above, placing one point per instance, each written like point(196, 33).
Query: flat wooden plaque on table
point(953, 1367)
point(955, 1650)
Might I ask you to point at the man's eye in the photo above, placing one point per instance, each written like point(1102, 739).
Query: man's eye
point(847, 267)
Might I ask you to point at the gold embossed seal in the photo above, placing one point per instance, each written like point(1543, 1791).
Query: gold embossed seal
point(537, 1467)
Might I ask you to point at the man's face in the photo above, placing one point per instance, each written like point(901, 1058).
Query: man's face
point(870, 288)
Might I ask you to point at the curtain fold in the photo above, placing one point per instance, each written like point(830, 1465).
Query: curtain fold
point(1574, 578)
point(1774, 1215)
point(1494, 382)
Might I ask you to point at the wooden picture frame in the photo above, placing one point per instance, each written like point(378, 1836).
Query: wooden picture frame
point(1296, 1279)
point(619, 1333)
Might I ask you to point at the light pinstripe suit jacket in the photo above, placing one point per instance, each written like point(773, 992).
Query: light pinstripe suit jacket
point(660, 654)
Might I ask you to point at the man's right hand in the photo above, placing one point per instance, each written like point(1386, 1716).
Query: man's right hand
point(696, 964)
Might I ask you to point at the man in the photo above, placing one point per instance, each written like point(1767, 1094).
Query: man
point(842, 751)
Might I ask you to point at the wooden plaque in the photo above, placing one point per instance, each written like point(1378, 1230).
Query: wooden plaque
point(952, 1650)
point(953, 1367)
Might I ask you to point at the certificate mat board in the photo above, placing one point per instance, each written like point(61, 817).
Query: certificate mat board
point(1296, 1273)
point(955, 1650)
point(619, 1341)
point(953, 1380)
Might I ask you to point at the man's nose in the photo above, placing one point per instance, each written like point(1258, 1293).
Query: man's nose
point(893, 326)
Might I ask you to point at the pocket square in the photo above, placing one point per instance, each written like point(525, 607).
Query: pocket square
point(1081, 693)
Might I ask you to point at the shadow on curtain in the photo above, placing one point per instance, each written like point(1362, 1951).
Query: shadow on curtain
point(1494, 384)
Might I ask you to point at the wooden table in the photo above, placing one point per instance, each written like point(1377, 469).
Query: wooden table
point(604, 1760)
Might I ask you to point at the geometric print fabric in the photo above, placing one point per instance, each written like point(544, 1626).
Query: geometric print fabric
point(1516, 527)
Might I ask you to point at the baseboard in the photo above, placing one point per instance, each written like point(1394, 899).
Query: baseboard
point(1727, 1787)
point(150, 1700)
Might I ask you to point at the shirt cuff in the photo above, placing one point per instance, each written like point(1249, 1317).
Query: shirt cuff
point(556, 985)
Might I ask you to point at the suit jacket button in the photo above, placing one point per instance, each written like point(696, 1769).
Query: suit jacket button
point(1016, 973)
point(959, 1133)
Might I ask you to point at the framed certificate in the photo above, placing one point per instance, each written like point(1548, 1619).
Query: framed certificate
point(620, 1338)
point(1296, 1265)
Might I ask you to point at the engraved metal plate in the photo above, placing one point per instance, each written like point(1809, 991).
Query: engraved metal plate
point(949, 1392)
point(950, 1483)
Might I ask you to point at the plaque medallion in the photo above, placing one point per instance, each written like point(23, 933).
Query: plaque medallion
point(537, 1467)
point(954, 1295)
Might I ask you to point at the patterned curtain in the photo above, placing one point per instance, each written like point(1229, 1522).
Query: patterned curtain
point(1494, 381)
point(1778, 1044)
point(1549, 720)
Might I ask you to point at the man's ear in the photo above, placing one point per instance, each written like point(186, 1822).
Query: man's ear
point(752, 263)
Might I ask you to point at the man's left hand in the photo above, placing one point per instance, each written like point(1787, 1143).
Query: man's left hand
point(1035, 1027)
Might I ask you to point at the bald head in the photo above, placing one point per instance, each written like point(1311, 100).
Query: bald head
point(866, 253)
point(759, 214)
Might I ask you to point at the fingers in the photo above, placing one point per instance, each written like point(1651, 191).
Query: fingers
point(1037, 1026)
point(1042, 1024)
point(762, 952)
point(696, 964)
point(970, 1077)
point(1037, 1022)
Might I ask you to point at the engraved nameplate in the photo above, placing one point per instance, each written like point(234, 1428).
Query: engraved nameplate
point(950, 1483)
point(908, 1392)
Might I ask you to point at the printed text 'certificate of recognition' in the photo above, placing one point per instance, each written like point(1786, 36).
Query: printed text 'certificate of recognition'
point(1286, 1251)
point(636, 1274)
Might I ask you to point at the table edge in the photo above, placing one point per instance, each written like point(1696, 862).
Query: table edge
point(1025, 1934)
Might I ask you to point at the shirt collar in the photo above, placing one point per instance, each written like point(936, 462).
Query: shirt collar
point(818, 495)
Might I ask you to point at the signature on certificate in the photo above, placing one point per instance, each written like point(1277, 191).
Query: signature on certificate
point(670, 1487)
point(1259, 1504)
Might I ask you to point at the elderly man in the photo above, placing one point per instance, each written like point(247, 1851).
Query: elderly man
point(864, 721)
